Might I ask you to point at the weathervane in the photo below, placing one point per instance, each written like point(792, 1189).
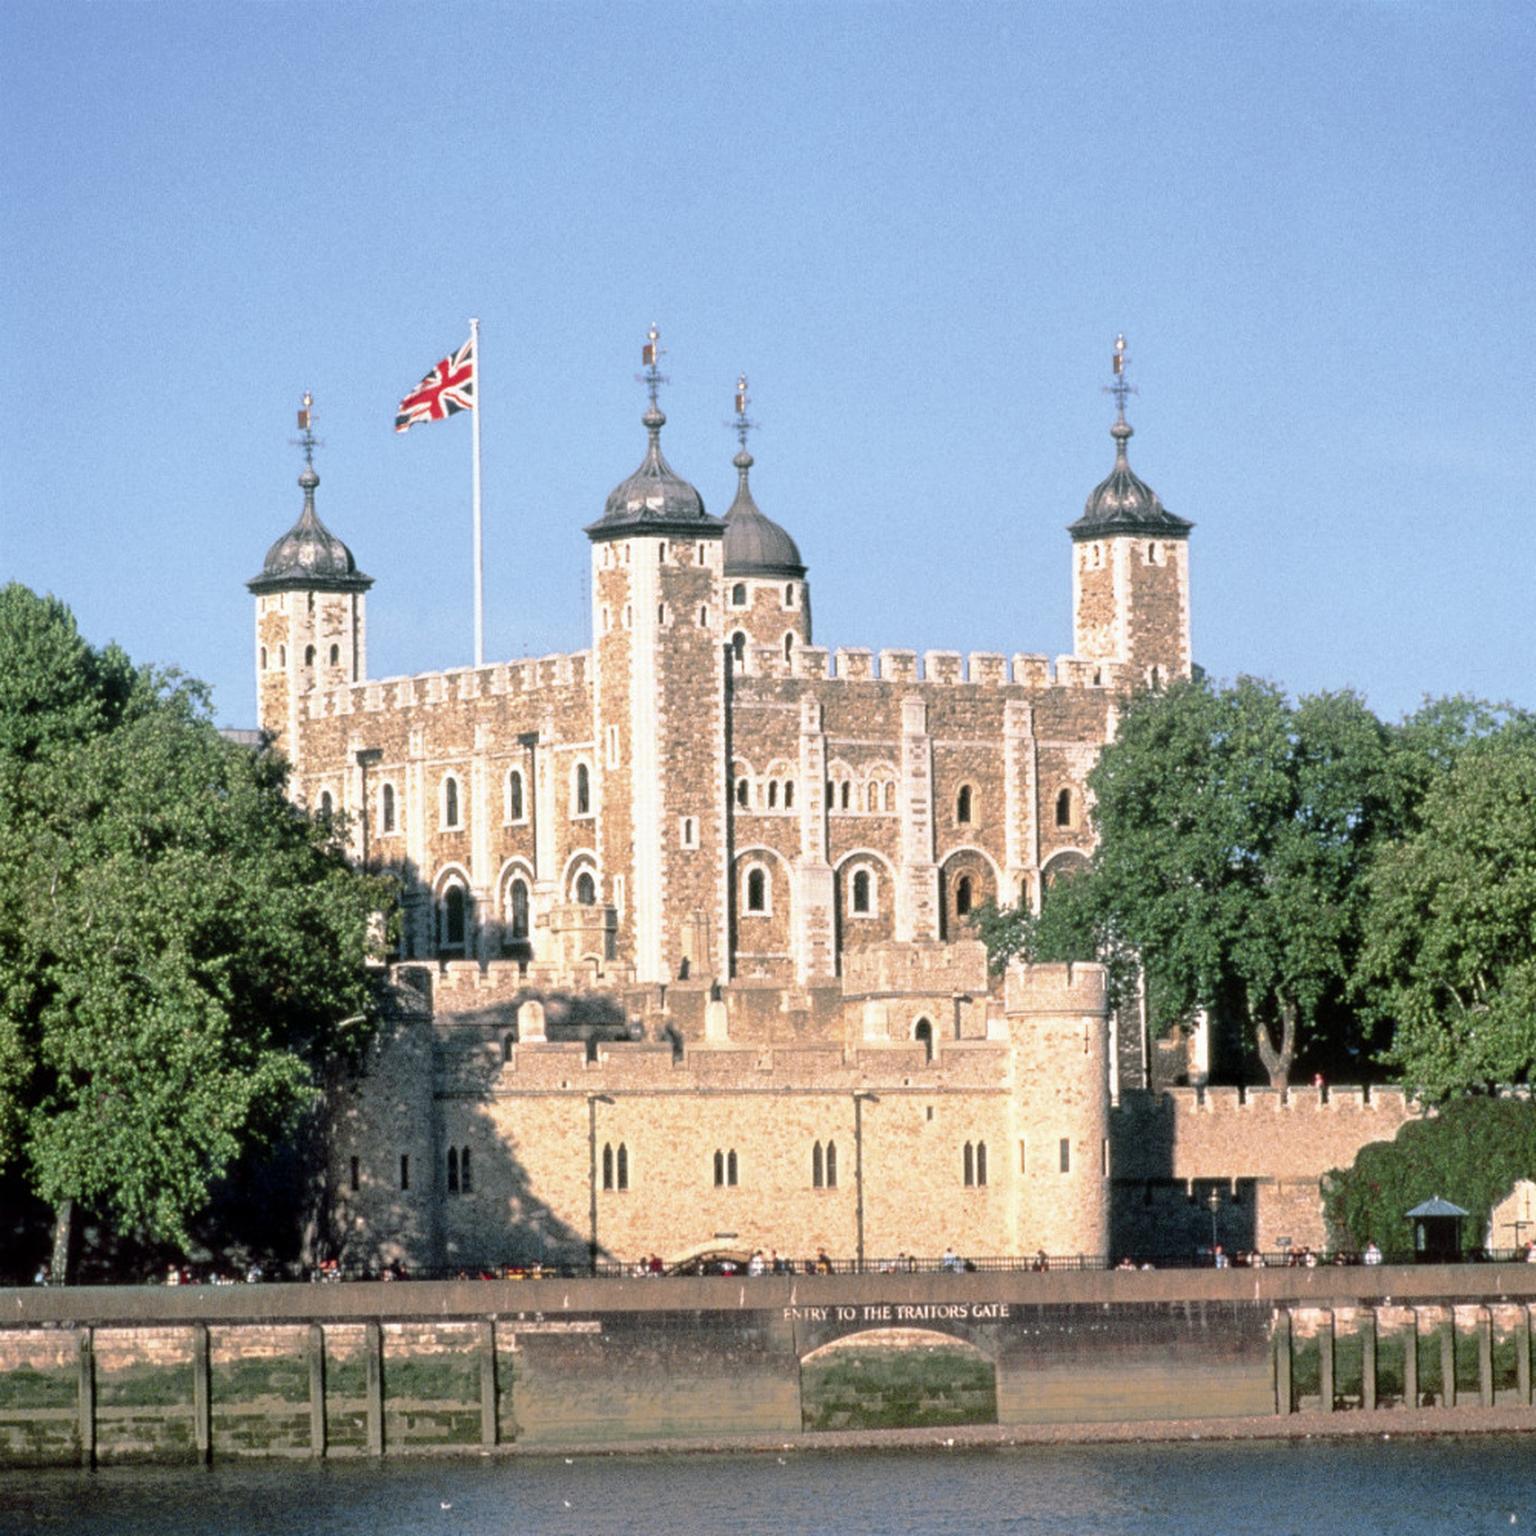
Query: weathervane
point(743, 424)
point(1122, 386)
point(651, 355)
point(308, 442)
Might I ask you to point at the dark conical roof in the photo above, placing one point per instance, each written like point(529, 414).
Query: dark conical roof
point(655, 499)
point(1124, 502)
point(755, 545)
point(309, 554)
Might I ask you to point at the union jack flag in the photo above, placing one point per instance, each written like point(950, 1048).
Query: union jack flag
point(446, 390)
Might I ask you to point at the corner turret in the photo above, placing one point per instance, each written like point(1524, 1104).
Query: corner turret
point(310, 621)
point(1130, 566)
point(767, 598)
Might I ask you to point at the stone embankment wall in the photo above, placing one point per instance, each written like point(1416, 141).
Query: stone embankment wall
point(113, 1375)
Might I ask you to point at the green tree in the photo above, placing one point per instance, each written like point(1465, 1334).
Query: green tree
point(181, 949)
point(1233, 827)
point(1470, 1153)
point(1449, 958)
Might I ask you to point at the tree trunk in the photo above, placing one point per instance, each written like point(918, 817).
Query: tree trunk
point(61, 1269)
point(1278, 1062)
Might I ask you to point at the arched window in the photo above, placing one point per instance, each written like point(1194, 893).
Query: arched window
point(519, 906)
point(335, 655)
point(970, 1165)
point(719, 1168)
point(789, 794)
point(387, 808)
point(1155, 678)
point(309, 655)
point(263, 658)
point(450, 801)
point(922, 1032)
point(661, 614)
point(623, 1166)
point(846, 792)
point(1064, 808)
point(730, 1168)
point(743, 793)
point(508, 1040)
point(872, 798)
point(861, 902)
point(583, 795)
point(327, 804)
point(789, 594)
point(739, 647)
point(773, 794)
point(818, 1168)
point(739, 595)
point(607, 1165)
point(789, 644)
point(981, 1162)
point(454, 917)
point(586, 889)
point(515, 810)
point(757, 889)
point(831, 1165)
point(466, 1177)
point(453, 1170)
point(703, 618)
point(890, 794)
point(963, 805)
point(962, 895)
point(282, 655)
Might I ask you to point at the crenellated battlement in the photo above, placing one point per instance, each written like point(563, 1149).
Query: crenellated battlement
point(984, 669)
point(620, 1068)
point(1069, 989)
point(1389, 1102)
point(456, 685)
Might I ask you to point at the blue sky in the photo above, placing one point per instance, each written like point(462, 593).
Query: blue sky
point(916, 227)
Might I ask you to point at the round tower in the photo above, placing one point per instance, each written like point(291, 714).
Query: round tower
point(310, 622)
point(767, 598)
point(1058, 1026)
point(1130, 566)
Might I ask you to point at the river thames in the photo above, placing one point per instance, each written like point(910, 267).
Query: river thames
point(1406, 1487)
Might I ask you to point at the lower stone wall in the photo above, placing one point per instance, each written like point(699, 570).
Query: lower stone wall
point(90, 1376)
point(1264, 1153)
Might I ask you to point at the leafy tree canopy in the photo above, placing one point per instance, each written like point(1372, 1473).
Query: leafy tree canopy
point(1470, 1153)
point(1450, 932)
point(1232, 829)
point(181, 949)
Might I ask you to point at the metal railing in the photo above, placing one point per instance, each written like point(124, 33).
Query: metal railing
point(736, 1267)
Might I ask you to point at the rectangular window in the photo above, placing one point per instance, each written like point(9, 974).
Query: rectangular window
point(356, 1175)
point(613, 746)
point(1066, 1155)
point(405, 1170)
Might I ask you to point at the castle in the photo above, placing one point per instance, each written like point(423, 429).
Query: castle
point(685, 961)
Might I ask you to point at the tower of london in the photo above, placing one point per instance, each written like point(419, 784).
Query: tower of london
point(685, 909)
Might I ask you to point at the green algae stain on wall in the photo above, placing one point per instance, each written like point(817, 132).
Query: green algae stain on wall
point(897, 1378)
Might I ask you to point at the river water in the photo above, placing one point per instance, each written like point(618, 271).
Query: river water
point(1406, 1487)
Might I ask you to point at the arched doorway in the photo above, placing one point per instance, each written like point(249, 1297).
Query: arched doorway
point(897, 1378)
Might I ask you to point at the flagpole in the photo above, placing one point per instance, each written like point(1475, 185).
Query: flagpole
point(474, 340)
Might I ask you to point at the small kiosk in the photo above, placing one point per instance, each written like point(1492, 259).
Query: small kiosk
point(1437, 1231)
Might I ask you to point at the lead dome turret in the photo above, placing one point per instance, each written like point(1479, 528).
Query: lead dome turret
point(309, 554)
point(755, 545)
